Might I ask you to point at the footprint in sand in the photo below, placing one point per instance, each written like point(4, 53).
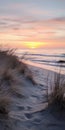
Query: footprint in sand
point(34, 97)
point(21, 108)
point(36, 121)
point(29, 108)
point(28, 115)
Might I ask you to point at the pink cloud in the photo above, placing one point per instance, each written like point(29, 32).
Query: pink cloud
point(51, 31)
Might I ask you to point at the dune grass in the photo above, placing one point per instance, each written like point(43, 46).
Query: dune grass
point(11, 70)
point(57, 96)
point(11, 61)
point(5, 102)
point(30, 77)
point(9, 80)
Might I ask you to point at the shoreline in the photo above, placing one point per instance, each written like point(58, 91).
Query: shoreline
point(44, 67)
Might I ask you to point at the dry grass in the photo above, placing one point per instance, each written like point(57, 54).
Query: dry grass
point(11, 70)
point(29, 76)
point(22, 68)
point(9, 79)
point(57, 96)
point(10, 82)
point(9, 59)
point(9, 76)
point(4, 105)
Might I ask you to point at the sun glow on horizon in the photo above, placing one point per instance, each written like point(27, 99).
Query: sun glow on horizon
point(33, 44)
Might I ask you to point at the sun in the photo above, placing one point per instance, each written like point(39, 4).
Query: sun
point(32, 45)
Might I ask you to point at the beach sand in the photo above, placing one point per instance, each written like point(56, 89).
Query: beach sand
point(26, 87)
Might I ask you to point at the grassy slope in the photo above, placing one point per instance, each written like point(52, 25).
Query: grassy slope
point(10, 70)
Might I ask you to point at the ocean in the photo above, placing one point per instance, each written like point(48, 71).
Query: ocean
point(51, 59)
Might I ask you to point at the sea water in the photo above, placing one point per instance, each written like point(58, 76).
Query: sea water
point(51, 59)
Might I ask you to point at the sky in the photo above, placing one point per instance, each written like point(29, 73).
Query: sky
point(32, 23)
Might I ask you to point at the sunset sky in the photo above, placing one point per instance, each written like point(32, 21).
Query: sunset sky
point(32, 23)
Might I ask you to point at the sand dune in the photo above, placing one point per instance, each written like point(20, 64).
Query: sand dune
point(24, 97)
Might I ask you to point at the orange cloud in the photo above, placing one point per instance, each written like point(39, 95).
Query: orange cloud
point(20, 31)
